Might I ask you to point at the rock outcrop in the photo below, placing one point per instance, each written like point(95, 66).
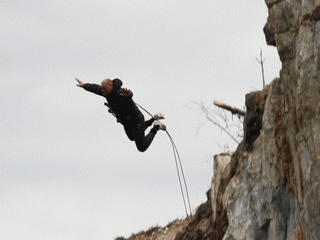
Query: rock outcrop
point(273, 190)
point(269, 188)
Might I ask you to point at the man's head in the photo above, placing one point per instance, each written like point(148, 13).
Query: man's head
point(107, 86)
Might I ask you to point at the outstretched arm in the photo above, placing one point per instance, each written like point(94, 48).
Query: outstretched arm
point(94, 88)
point(80, 84)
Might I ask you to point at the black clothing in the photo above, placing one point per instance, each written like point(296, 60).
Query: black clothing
point(137, 133)
point(127, 113)
point(124, 107)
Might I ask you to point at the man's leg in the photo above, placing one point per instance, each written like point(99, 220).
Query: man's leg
point(155, 117)
point(149, 122)
point(129, 131)
point(142, 141)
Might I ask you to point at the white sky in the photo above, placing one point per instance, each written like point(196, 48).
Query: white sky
point(68, 171)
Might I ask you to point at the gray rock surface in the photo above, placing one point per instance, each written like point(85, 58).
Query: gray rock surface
point(274, 188)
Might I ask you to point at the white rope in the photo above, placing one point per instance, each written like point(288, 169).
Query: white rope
point(179, 169)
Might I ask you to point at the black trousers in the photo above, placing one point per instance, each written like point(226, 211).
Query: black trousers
point(135, 131)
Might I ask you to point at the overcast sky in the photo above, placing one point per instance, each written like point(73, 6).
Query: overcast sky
point(68, 171)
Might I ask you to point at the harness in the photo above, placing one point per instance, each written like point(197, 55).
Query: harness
point(112, 112)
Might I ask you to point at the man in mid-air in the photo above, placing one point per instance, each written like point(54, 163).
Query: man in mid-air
point(122, 106)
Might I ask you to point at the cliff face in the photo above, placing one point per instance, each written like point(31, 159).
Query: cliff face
point(272, 190)
point(270, 187)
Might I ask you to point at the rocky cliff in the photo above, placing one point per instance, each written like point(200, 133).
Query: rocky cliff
point(269, 188)
point(274, 186)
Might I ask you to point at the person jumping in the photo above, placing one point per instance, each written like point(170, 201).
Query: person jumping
point(122, 106)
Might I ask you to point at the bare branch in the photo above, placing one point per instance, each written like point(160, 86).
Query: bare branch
point(229, 108)
point(223, 129)
point(221, 119)
point(261, 63)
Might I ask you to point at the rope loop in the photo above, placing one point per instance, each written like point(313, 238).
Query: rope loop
point(183, 187)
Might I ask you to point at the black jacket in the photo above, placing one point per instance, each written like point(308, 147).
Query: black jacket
point(124, 107)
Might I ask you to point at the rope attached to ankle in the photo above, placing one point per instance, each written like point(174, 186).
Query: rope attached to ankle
point(183, 187)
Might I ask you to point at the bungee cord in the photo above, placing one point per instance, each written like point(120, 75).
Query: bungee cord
point(183, 187)
point(177, 157)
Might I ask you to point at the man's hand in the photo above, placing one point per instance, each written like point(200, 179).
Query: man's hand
point(125, 92)
point(80, 84)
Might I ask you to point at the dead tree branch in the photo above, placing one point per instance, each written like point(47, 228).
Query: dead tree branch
point(229, 108)
point(261, 63)
point(216, 122)
point(220, 118)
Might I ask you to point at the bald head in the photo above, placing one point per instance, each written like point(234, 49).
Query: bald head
point(107, 86)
